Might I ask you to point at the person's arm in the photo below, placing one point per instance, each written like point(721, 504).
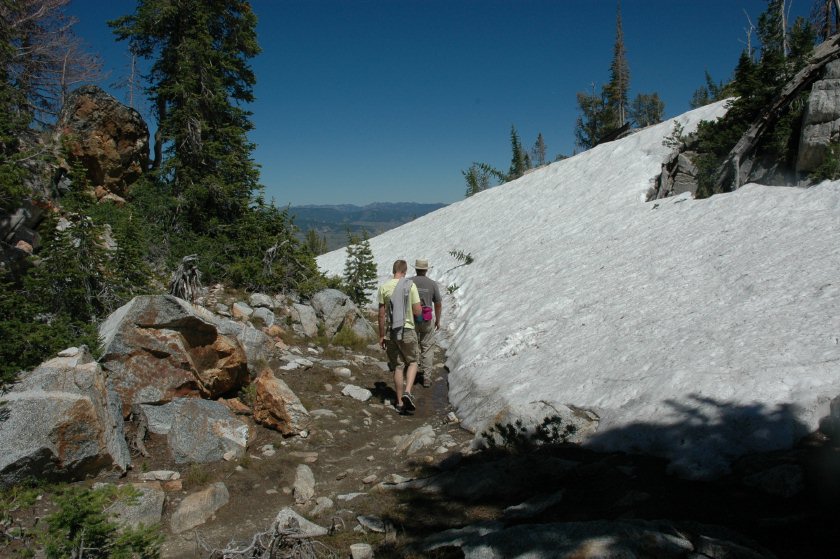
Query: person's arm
point(414, 298)
point(382, 325)
point(438, 308)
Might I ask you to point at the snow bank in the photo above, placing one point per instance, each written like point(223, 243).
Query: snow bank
point(697, 330)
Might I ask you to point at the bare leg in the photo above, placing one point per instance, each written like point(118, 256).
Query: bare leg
point(410, 376)
point(398, 383)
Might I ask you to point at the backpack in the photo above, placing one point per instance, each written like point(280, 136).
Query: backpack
point(397, 331)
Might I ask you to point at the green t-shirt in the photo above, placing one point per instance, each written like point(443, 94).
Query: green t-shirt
point(385, 292)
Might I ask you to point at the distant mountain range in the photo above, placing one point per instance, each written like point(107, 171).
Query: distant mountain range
point(333, 221)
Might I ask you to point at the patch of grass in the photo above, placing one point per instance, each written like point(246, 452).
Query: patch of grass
point(248, 395)
point(196, 475)
point(347, 338)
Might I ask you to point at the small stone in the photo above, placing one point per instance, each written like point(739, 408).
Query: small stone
point(69, 352)
point(268, 450)
point(369, 479)
point(361, 551)
point(349, 496)
point(343, 372)
point(304, 485)
point(452, 417)
point(322, 504)
point(229, 456)
point(160, 475)
point(396, 478)
point(271, 491)
point(370, 458)
point(357, 393)
point(374, 523)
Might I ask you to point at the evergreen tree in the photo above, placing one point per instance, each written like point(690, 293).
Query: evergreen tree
point(518, 161)
point(198, 80)
point(594, 120)
point(617, 90)
point(707, 93)
point(646, 109)
point(317, 244)
point(478, 177)
point(359, 269)
point(538, 151)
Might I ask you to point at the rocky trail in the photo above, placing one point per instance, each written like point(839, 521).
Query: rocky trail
point(410, 486)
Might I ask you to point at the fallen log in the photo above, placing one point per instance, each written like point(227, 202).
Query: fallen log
point(733, 173)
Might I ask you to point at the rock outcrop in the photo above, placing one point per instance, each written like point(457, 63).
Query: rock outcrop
point(61, 421)
point(821, 121)
point(157, 348)
point(277, 407)
point(108, 138)
point(339, 312)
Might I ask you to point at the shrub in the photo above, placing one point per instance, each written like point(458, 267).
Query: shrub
point(80, 527)
point(517, 437)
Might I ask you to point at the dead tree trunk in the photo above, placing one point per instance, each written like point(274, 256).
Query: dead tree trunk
point(737, 167)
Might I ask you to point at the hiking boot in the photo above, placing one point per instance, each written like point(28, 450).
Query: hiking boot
point(408, 402)
point(400, 410)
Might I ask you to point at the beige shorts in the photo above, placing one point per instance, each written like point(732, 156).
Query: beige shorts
point(406, 350)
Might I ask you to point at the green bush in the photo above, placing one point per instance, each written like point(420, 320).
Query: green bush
point(79, 527)
point(829, 169)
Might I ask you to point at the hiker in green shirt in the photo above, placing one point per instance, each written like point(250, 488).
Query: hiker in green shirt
point(399, 305)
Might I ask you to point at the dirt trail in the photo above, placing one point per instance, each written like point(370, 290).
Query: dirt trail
point(350, 442)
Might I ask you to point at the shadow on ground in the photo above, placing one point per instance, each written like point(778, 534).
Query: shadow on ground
point(770, 503)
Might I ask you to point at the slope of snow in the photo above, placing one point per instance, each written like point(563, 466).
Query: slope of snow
point(697, 330)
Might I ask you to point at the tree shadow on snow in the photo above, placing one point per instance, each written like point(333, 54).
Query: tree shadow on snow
point(772, 490)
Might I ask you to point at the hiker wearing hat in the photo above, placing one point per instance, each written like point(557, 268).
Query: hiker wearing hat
point(399, 306)
point(429, 291)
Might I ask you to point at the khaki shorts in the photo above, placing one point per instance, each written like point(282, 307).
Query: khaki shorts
point(406, 350)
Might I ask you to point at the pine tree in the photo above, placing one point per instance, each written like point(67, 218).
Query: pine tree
point(359, 269)
point(200, 76)
point(594, 120)
point(646, 109)
point(538, 151)
point(317, 244)
point(518, 161)
point(707, 93)
point(618, 88)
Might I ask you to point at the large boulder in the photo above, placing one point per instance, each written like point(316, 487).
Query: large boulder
point(277, 407)
point(199, 507)
point(304, 320)
point(108, 138)
point(821, 121)
point(257, 345)
point(157, 348)
point(338, 311)
point(61, 421)
point(198, 431)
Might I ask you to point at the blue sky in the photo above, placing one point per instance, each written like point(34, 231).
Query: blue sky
point(362, 101)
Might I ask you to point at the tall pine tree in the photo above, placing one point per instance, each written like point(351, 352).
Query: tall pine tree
point(518, 161)
point(199, 78)
point(618, 88)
